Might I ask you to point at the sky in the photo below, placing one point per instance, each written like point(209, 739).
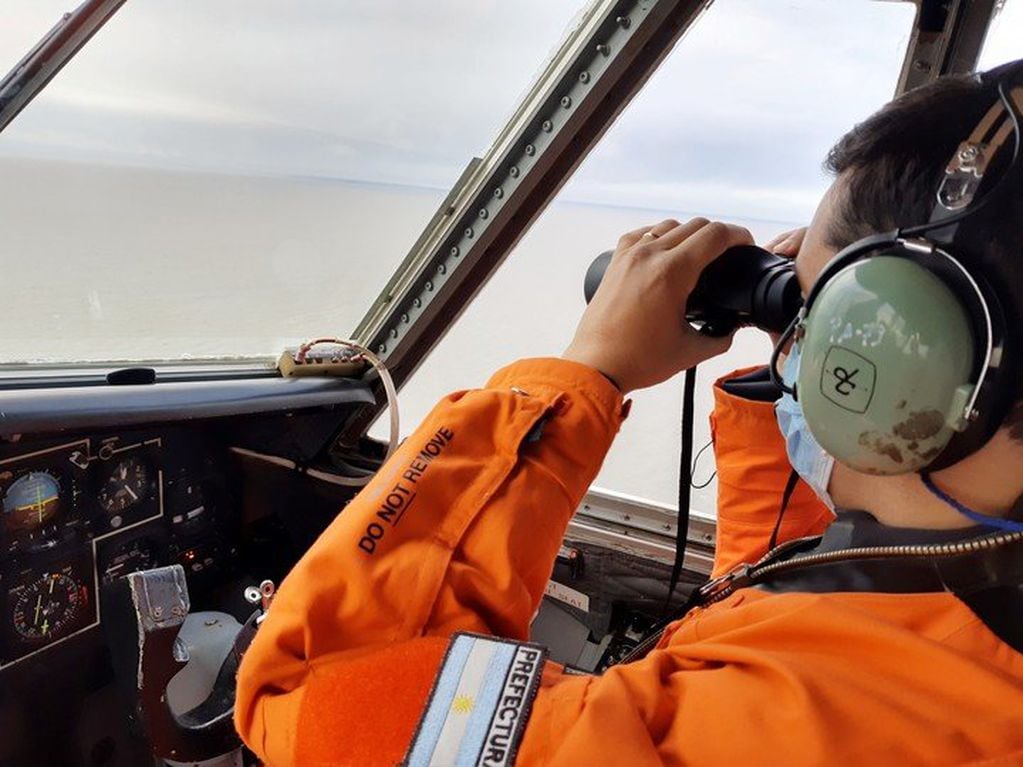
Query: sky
point(736, 121)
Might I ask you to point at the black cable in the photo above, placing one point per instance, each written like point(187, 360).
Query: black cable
point(786, 496)
point(692, 472)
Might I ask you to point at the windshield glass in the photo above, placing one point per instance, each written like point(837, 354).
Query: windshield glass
point(734, 125)
point(25, 25)
point(1003, 38)
point(221, 178)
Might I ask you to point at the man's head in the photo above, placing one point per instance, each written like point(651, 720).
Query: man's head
point(888, 170)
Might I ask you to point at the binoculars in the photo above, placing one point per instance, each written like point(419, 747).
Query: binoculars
point(744, 286)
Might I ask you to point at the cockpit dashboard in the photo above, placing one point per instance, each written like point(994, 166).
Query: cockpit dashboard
point(79, 513)
point(100, 480)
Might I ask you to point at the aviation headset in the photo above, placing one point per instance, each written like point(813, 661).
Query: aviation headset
point(906, 359)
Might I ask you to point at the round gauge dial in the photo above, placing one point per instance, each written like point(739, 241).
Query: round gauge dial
point(127, 484)
point(48, 607)
point(31, 501)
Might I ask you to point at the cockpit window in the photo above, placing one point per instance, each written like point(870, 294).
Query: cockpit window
point(1003, 38)
point(734, 125)
point(220, 178)
point(24, 25)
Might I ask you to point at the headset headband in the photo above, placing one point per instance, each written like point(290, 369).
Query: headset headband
point(965, 171)
point(964, 175)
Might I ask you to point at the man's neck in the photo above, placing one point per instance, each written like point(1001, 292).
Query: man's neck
point(977, 482)
point(904, 502)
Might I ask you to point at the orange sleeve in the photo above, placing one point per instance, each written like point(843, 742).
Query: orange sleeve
point(457, 532)
point(752, 471)
point(469, 516)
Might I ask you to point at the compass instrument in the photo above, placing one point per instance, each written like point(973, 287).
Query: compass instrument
point(49, 607)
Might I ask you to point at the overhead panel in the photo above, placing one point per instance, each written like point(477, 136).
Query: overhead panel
point(947, 39)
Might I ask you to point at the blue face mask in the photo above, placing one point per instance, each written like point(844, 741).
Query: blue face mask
point(808, 458)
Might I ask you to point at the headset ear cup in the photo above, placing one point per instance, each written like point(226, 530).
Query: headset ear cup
point(998, 392)
point(885, 373)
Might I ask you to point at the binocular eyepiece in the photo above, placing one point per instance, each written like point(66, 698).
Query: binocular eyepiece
point(745, 285)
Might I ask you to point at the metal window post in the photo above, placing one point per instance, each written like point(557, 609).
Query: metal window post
point(615, 47)
point(48, 57)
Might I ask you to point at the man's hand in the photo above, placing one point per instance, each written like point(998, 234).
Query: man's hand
point(787, 243)
point(634, 331)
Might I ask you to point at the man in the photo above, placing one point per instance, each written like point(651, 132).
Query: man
point(458, 533)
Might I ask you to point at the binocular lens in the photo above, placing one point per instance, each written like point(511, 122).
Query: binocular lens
point(746, 285)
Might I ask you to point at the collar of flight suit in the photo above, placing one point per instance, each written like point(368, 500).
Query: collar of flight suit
point(988, 580)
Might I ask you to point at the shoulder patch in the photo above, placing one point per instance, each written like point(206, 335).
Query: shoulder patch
point(479, 705)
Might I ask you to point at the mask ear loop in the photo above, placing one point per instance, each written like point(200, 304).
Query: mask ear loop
point(789, 333)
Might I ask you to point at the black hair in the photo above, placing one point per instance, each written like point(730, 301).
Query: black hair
point(891, 166)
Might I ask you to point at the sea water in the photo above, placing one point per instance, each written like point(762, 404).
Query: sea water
point(121, 263)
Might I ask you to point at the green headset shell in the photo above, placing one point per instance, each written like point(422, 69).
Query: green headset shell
point(886, 357)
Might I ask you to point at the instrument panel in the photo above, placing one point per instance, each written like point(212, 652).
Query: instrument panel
point(79, 514)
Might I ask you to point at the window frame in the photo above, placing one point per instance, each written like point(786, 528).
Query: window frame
point(560, 119)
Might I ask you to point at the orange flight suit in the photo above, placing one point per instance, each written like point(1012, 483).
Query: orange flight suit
point(458, 532)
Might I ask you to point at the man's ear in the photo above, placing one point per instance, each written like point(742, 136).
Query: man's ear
point(1012, 431)
point(1014, 422)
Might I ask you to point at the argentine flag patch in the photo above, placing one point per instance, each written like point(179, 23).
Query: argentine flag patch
point(480, 702)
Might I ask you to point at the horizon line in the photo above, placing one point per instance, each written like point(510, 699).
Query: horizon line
point(252, 173)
